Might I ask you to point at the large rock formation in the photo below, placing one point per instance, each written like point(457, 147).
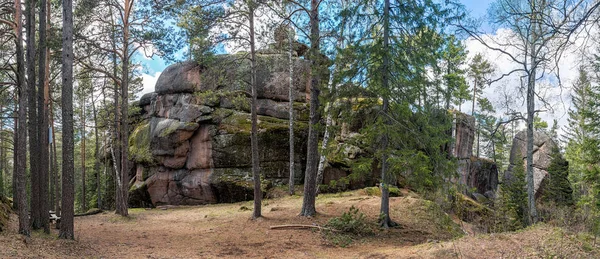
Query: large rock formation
point(542, 157)
point(5, 212)
point(193, 144)
point(474, 173)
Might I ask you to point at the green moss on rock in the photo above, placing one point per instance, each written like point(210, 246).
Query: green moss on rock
point(139, 144)
point(5, 211)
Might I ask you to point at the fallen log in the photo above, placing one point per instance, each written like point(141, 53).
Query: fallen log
point(299, 226)
point(93, 212)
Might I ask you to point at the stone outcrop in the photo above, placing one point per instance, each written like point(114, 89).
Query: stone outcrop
point(474, 173)
point(464, 135)
point(5, 212)
point(542, 157)
point(193, 143)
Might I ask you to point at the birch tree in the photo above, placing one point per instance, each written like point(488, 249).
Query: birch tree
point(541, 30)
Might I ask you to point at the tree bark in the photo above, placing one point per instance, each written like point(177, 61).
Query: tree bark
point(68, 166)
point(530, 117)
point(122, 206)
point(386, 221)
point(96, 157)
point(21, 132)
point(116, 150)
point(292, 178)
point(15, 170)
point(83, 190)
point(329, 120)
point(36, 214)
point(308, 202)
point(2, 157)
point(42, 130)
point(253, 136)
point(56, 178)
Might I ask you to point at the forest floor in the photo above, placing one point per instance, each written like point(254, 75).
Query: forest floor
point(226, 231)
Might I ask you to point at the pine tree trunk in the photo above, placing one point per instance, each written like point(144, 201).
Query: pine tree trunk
point(15, 197)
point(96, 157)
point(115, 147)
point(56, 179)
point(42, 130)
point(2, 157)
point(474, 97)
point(36, 221)
point(254, 134)
point(291, 112)
point(386, 220)
point(21, 132)
point(68, 165)
point(83, 190)
point(308, 202)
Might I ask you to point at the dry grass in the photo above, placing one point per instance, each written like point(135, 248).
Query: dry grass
point(226, 231)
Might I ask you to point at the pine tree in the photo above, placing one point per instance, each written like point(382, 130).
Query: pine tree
point(514, 198)
point(558, 189)
point(583, 136)
point(68, 166)
point(479, 71)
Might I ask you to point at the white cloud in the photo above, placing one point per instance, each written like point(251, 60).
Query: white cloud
point(148, 81)
point(558, 97)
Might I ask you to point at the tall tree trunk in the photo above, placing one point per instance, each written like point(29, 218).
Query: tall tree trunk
point(256, 213)
point(122, 206)
point(83, 190)
point(21, 132)
point(474, 97)
point(115, 147)
point(328, 122)
point(308, 202)
point(15, 173)
point(36, 214)
point(68, 165)
point(386, 221)
point(42, 130)
point(2, 156)
point(530, 116)
point(96, 156)
point(109, 184)
point(292, 178)
point(56, 179)
point(332, 87)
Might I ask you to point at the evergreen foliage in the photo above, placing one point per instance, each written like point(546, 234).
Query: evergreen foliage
point(513, 199)
point(558, 189)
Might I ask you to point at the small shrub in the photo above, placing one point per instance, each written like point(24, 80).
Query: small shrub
point(341, 231)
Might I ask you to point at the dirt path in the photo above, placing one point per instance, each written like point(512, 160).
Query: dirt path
point(225, 231)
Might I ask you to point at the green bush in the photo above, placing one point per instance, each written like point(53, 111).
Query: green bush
point(341, 231)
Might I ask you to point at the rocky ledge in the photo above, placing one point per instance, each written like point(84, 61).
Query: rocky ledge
point(193, 143)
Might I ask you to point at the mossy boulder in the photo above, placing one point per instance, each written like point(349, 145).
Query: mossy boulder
point(193, 144)
point(139, 144)
point(5, 211)
point(139, 196)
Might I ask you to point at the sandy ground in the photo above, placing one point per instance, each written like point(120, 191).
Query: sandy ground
point(226, 231)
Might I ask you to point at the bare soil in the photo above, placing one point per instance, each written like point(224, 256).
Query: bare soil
point(226, 231)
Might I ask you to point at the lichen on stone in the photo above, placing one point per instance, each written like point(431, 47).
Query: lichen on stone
point(139, 144)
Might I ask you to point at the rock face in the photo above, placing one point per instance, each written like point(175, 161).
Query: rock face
point(464, 136)
point(478, 173)
point(5, 212)
point(542, 157)
point(193, 144)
